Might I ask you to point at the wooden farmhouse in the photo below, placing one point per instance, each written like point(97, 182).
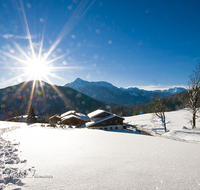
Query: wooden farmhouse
point(101, 119)
point(74, 118)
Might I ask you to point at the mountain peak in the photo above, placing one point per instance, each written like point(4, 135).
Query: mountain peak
point(105, 91)
point(79, 80)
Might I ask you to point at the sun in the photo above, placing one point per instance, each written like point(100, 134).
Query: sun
point(37, 69)
point(37, 63)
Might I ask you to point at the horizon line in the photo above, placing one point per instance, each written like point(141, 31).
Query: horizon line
point(156, 87)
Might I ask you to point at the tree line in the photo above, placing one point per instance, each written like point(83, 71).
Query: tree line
point(175, 102)
point(159, 106)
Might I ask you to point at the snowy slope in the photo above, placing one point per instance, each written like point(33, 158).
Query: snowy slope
point(178, 125)
point(95, 159)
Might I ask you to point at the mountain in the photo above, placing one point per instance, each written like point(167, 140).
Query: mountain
point(104, 91)
point(47, 100)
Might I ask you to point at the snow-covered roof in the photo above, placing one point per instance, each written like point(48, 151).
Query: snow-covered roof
point(88, 124)
point(81, 117)
point(74, 114)
point(68, 117)
point(54, 116)
point(68, 113)
point(22, 117)
point(97, 112)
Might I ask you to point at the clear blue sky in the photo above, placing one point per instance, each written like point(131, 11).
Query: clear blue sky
point(124, 42)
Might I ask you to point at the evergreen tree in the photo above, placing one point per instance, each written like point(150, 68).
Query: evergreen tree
point(31, 118)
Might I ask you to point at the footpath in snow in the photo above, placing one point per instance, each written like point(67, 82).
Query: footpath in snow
point(53, 158)
point(12, 167)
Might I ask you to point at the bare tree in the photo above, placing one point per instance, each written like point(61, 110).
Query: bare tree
point(159, 109)
point(194, 92)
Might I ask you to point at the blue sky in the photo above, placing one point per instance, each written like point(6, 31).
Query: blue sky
point(148, 44)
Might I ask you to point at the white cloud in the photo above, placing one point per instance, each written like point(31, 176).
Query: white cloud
point(16, 36)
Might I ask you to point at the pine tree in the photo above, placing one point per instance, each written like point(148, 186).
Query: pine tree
point(31, 118)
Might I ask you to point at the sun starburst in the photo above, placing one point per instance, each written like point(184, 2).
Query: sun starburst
point(37, 68)
point(38, 65)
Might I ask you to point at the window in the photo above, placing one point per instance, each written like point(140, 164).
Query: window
point(116, 128)
point(103, 122)
point(110, 121)
point(110, 128)
point(105, 128)
point(115, 121)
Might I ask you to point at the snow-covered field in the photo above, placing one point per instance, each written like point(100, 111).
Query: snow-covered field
point(94, 159)
point(178, 125)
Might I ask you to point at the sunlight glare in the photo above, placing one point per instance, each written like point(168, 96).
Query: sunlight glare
point(37, 68)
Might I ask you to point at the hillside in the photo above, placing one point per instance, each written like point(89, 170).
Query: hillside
point(104, 91)
point(174, 102)
point(178, 126)
point(47, 100)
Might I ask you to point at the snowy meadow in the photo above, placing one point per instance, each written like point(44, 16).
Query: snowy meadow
point(55, 158)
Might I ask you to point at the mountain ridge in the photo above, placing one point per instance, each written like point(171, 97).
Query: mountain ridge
point(47, 100)
point(105, 91)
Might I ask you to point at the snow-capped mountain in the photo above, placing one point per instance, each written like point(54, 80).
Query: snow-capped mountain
point(81, 84)
point(106, 92)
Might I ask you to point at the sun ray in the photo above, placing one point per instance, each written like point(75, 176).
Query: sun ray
point(69, 25)
point(47, 62)
point(55, 76)
point(88, 8)
point(68, 67)
point(21, 50)
point(23, 85)
point(36, 65)
point(12, 79)
point(12, 56)
point(27, 30)
point(41, 46)
point(43, 93)
point(63, 97)
point(31, 96)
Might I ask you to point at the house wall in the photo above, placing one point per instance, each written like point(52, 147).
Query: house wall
point(102, 115)
point(111, 121)
point(114, 123)
point(110, 127)
point(73, 121)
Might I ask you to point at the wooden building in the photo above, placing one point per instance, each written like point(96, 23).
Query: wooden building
point(74, 118)
point(101, 119)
